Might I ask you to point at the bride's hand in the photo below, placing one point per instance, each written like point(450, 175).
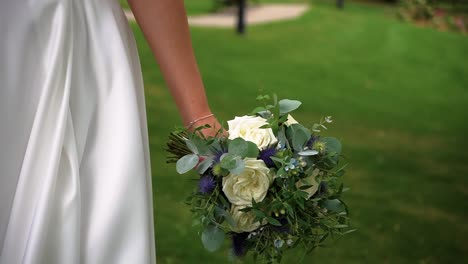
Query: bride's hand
point(214, 128)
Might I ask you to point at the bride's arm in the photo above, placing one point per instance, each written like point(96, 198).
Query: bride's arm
point(164, 24)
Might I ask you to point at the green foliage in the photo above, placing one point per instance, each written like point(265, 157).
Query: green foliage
point(416, 10)
point(308, 221)
point(286, 106)
point(288, 212)
point(187, 163)
point(233, 163)
point(212, 238)
point(298, 136)
point(177, 146)
point(332, 145)
point(240, 147)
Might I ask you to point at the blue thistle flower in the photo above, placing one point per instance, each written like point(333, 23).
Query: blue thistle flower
point(239, 243)
point(217, 155)
point(206, 184)
point(311, 141)
point(266, 155)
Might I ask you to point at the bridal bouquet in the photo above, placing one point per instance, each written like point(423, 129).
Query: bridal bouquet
point(272, 185)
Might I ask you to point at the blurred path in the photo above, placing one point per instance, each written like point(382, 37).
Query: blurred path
point(255, 15)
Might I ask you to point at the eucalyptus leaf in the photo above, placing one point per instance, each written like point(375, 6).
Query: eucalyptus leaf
point(265, 114)
point(299, 140)
point(238, 147)
point(282, 140)
point(186, 163)
point(228, 161)
point(298, 136)
point(212, 238)
point(191, 146)
point(287, 106)
point(201, 145)
point(226, 215)
point(252, 150)
point(332, 145)
point(309, 152)
point(204, 165)
point(334, 205)
point(230, 220)
point(239, 167)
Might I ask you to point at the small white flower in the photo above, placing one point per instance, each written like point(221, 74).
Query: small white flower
point(328, 119)
point(279, 243)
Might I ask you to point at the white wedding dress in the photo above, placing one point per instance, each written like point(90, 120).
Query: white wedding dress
point(75, 184)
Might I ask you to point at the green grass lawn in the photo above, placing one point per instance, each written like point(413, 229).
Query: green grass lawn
point(399, 97)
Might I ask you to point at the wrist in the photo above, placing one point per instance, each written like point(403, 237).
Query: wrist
point(200, 120)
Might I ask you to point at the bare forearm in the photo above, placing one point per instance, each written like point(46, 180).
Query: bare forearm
point(164, 24)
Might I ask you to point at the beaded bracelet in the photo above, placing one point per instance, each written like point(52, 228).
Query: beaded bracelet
point(198, 119)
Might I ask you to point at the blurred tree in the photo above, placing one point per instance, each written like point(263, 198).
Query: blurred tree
point(340, 4)
point(241, 5)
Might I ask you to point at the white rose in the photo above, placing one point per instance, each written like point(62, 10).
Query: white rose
point(290, 121)
point(245, 221)
point(310, 181)
point(252, 182)
point(248, 128)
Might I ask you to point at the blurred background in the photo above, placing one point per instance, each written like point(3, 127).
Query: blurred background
point(393, 74)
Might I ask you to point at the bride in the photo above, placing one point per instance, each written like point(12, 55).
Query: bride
point(75, 178)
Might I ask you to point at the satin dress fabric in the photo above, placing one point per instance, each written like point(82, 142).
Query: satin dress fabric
point(75, 178)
